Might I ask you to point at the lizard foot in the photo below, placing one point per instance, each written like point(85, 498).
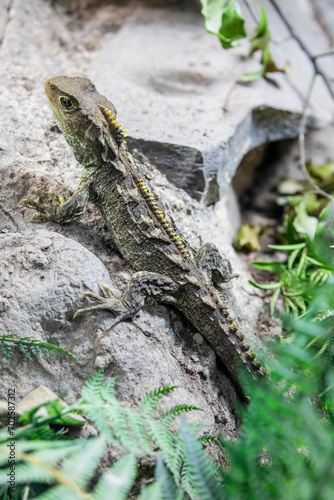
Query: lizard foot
point(47, 205)
point(107, 302)
point(142, 285)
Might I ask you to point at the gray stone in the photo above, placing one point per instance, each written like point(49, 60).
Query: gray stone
point(325, 13)
point(4, 17)
point(41, 302)
point(180, 100)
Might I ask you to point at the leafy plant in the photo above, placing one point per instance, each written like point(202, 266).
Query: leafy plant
point(285, 450)
point(260, 40)
point(286, 441)
point(225, 20)
point(308, 241)
point(31, 347)
point(54, 463)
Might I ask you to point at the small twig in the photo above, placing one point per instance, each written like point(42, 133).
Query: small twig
point(324, 54)
point(301, 141)
point(317, 69)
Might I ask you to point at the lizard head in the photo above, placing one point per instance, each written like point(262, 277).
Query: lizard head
point(76, 105)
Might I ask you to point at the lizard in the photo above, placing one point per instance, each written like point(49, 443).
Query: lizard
point(167, 268)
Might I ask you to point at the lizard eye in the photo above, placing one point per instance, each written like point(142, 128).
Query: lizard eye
point(66, 102)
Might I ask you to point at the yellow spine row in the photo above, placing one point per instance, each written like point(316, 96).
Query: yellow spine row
point(116, 127)
point(162, 218)
point(213, 294)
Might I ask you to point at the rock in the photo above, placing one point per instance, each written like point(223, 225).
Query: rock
point(325, 15)
point(42, 395)
point(42, 301)
point(182, 100)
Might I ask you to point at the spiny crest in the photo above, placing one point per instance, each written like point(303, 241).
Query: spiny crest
point(161, 217)
point(115, 128)
point(213, 293)
point(245, 351)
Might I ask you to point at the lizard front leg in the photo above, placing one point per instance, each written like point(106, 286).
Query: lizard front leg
point(218, 269)
point(54, 208)
point(143, 284)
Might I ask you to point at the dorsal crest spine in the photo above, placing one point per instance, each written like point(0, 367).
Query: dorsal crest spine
point(115, 128)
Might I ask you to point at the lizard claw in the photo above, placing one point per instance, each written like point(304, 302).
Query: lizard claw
point(107, 302)
point(46, 205)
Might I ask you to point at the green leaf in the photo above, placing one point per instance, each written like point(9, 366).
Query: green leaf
point(261, 35)
point(83, 464)
point(169, 490)
point(275, 267)
point(304, 223)
point(32, 347)
point(325, 224)
point(255, 75)
point(274, 300)
point(268, 286)
point(292, 258)
point(293, 246)
point(212, 11)
point(290, 187)
point(324, 171)
point(247, 238)
point(224, 19)
point(168, 416)
point(233, 25)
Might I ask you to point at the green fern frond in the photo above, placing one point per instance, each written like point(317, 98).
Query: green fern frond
point(120, 427)
point(150, 401)
point(84, 463)
point(97, 414)
point(168, 443)
point(108, 390)
point(25, 473)
point(151, 492)
point(209, 438)
point(54, 412)
point(31, 347)
point(67, 467)
point(169, 490)
point(136, 423)
point(91, 392)
point(199, 468)
point(168, 416)
point(63, 493)
point(186, 482)
point(37, 460)
point(117, 482)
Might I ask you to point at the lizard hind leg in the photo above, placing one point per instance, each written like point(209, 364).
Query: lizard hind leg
point(141, 285)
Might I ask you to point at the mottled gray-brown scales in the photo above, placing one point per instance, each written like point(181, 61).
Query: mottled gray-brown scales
point(145, 234)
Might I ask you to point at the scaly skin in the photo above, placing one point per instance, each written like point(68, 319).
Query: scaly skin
point(144, 233)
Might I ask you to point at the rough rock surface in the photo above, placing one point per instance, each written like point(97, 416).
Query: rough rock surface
point(170, 81)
